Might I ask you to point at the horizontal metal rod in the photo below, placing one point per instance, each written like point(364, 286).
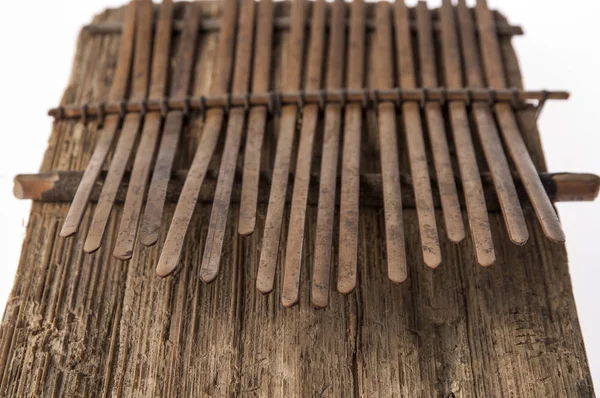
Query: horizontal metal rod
point(60, 186)
point(275, 99)
point(281, 23)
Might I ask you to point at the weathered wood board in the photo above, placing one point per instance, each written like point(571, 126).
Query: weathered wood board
point(90, 325)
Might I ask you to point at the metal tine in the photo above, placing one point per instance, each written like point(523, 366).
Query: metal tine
point(118, 91)
point(415, 143)
point(488, 134)
point(463, 143)
point(329, 161)
point(171, 252)
point(257, 119)
point(388, 143)
point(283, 152)
point(171, 131)
point(149, 137)
point(350, 188)
point(510, 129)
point(437, 130)
point(310, 116)
point(129, 130)
point(237, 117)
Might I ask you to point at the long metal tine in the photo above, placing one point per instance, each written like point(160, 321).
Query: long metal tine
point(415, 142)
point(329, 161)
point(437, 130)
point(140, 173)
point(213, 247)
point(463, 143)
point(129, 131)
point(287, 130)
point(388, 146)
point(509, 127)
point(310, 116)
point(488, 134)
point(171, 252)
point(153, 214)
point(350, 188)
point(117, 92)
point(257, 119)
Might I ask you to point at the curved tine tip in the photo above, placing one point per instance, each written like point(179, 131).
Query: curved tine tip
point(457, 236)
point(121, 254)
point(432, 260)
point(91, 246)
point(555, 234)
point(166, 266)
point(397, 277)
point(149, 239)
point(346, 288)
point(66, 231)
point(264, 288)
point(486, 260)
point(288, 302)
point(161, 273)
point(246, 227)
point(208, 276)
point(319, 303)
point(554, 239)
point(519, 239)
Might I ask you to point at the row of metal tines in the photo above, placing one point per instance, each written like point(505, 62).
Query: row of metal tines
point(243, 59)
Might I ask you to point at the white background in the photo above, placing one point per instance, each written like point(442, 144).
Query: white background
point(559, 51)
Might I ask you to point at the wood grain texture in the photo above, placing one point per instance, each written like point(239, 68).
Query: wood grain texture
point(89, 325)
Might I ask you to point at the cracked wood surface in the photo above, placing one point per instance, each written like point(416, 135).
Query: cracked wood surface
point(90, 325)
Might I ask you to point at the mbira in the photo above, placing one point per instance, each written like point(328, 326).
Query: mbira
point(376, 167)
